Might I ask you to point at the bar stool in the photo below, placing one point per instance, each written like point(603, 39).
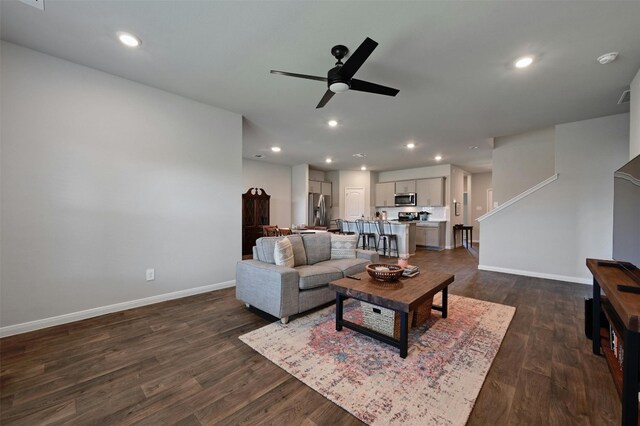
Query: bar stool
point(343, 227)
point(366, 236)
point(350, 228)
point(384, 236)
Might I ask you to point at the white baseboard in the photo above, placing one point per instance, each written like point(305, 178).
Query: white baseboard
point(102, 310)
point(567, 278)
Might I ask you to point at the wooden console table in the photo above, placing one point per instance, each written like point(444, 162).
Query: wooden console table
point(465, 231)
point(622, 309)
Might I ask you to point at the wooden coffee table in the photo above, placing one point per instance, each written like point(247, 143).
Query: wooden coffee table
point(403, 297)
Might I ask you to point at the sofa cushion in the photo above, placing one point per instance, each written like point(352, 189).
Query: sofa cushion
point(313, 276)
point(265, 248)
point(343, 246)
point(348, 266)
point(283, 253)
point(299, 254)
point(317, 247)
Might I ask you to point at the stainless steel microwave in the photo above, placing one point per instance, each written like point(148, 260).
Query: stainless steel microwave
point(408, 199)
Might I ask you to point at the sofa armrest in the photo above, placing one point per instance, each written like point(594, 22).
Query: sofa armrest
point(270, 288)
point(370, 255)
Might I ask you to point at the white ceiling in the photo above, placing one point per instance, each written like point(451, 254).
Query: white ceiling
point(451, 61)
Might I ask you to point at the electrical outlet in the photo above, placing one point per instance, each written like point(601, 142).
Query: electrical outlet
point(151, 274)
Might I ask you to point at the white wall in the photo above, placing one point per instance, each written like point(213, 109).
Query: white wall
point(102, 178)
point(634, 144)
point(551, 232)
point(479, 185)
point(521, 162)
point(275, 179)
point(299, 194)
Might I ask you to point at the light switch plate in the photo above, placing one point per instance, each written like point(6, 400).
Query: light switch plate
point(151, 274)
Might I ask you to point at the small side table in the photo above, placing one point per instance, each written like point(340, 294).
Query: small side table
point(466, 233)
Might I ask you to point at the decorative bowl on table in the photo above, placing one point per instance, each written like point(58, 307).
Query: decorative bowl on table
point(384, 272)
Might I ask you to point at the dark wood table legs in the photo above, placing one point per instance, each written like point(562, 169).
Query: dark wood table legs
point(403, 342)
point(466, 234)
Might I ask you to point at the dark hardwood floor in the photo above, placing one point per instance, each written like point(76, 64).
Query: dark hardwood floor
point(181, 362)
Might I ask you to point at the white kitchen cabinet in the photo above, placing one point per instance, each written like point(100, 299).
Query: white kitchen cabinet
point(431, 235)
point(430, 192)
point(315, 187)
point(405, 186)
point(385, 194)
point(326, 188)
point(421, 236)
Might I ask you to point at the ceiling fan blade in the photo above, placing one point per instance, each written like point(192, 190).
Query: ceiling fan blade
point(365, 86)
point(358, 57)
point(327, 95)
point(308, 77)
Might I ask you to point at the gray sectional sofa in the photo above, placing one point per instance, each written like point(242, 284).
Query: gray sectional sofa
point(282, 291)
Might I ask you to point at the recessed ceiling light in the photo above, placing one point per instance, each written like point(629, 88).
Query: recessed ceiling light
point(360, 155)
point(363, 168)
point(438, 157)
point(474, 147)
point(258, 156)
point(276, 149)
point(328, 160)
point(332, 123)
point(411, 145)
point(607, 58)
point(523, 62)
point(128, 39)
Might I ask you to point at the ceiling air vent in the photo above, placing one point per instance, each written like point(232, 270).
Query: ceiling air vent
point(625, 98)
point(38, 4)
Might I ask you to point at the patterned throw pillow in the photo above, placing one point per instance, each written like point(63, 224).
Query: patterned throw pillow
point(283, 253)
point(343, 246)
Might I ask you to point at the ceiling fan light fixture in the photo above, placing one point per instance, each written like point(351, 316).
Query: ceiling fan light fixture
point(338, 87)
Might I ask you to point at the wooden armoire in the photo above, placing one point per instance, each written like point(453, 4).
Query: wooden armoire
point(255, 214)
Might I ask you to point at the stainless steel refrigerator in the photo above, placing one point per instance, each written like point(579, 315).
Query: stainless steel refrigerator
point(319, 210)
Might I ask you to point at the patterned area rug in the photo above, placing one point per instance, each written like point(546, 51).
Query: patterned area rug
point(437, 384)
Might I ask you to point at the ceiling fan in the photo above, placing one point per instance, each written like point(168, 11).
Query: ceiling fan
point(340, 78)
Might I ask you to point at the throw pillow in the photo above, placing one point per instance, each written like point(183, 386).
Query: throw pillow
point(343, 246)
point(283, 253)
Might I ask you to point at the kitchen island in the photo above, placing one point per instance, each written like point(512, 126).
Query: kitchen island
point(431, 234)
point(410, 233)
point(404, 230)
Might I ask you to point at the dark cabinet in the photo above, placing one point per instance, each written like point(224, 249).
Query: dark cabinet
point(255, 214)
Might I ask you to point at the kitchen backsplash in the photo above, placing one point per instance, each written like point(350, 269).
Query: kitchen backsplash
point(437, 213)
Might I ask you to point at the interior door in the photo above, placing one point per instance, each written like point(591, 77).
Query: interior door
point(353, 203)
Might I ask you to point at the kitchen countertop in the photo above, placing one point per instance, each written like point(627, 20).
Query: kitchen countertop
point(417, 222)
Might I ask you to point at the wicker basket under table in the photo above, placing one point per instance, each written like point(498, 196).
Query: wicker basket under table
point(422, 313)
point(383, 320)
